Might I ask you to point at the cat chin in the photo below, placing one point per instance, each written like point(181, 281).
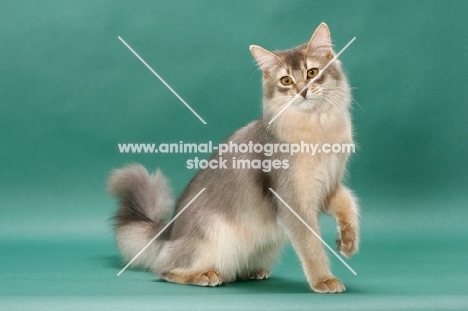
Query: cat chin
point(307, 104)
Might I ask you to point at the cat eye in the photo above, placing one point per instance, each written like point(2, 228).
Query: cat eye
point(286, 80)
point(311, 73)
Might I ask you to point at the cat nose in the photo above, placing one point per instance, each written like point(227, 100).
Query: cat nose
point(304, 93)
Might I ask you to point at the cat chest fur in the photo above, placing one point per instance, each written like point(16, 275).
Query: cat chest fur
point(313, 177)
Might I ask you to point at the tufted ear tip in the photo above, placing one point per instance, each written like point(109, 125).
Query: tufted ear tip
point(320, 42)
point(266, 60)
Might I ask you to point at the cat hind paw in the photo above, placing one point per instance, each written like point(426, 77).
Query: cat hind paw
point(210, 277)
point(261, 274)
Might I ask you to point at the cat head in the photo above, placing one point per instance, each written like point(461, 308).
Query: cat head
point(286, 73)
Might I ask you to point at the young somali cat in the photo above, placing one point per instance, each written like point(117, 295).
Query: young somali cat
point(236, 227)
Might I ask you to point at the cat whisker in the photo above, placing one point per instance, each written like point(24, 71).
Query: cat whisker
point(335, 104)
point(355, 101)
point(333, 93)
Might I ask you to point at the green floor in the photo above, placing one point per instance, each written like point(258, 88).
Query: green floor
point(408, 261)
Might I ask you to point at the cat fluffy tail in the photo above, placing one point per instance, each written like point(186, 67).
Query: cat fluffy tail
point(145, 204)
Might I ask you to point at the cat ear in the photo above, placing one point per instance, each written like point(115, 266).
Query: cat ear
point(320, 43)
point(266, 60)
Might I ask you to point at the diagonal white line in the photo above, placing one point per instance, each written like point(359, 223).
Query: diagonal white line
point(312, 230)
point(311, 81)
point(162, 80)
point(162, 230)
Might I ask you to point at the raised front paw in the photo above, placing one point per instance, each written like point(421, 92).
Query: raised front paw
point(348, 242)
point(330, 285)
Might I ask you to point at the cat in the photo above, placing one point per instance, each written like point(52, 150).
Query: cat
point(236, 228)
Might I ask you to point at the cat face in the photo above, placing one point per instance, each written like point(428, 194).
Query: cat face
point(286, 73)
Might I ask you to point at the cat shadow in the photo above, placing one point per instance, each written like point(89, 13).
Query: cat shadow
point(280, 285)
point(112, 261)
point(274, 285)
point(116, 262)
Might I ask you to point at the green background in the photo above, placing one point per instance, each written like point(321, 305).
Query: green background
point(71, 91)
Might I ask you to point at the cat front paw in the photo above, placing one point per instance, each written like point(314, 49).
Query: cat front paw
point(330, 285)
point(348, 241)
